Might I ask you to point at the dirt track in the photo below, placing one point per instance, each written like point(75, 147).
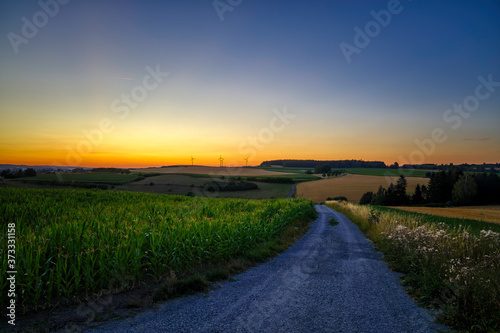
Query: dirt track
point(331, 280)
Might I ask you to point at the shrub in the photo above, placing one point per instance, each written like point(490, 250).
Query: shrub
point(337, 198)
point(366, 198)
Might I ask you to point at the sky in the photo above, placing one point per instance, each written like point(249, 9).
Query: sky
point(149, 83)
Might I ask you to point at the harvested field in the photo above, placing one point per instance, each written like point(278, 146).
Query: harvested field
point(484, 213)
point(203, 170)
point(350, 186)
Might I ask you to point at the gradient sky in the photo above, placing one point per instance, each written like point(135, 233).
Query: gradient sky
point(228, 79)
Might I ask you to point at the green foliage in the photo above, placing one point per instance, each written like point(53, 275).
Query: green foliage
point(322, 168)
point(276, 180)
point(338, 198)
point(464, 190)
point(373, 216)
point(367, 198)
point(70, 242)
point(333, 222)
point(7, 174)
point(216, 186)
point(84, 178)
point(110, 170)
point(417, 198)
point(386, 172)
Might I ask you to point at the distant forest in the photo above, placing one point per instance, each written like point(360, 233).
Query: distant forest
point(343, 164)
point(452, 187)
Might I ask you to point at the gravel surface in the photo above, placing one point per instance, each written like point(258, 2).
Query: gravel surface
point(331, 280)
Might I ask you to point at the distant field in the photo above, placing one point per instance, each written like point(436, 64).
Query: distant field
point(285, 169)
point(183, 184)
point(95, 178)
point(484, 213)
point(350, 186)
point(203, 170)
point(386, 172)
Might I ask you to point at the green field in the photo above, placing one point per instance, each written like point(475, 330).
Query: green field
point(87, 178)
point(71, 243)
point(285, 169)
point(473, 226)
point(358, 171)
point(386, 172)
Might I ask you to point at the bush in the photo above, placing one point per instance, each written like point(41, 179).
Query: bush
point(229, 186)
point(337, 198)
point(322, 168)
point(277, 180)
point(367, 198)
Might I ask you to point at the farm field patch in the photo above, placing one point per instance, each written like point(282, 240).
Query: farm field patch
point(350, 186)
point(483, 213)
point(73, 241)
point(387, 172)
point(215, 171)
point(95, 178)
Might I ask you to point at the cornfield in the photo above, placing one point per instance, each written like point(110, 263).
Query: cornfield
point(69, 243)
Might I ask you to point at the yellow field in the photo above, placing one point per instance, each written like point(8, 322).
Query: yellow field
point(484, 213)
point(203, 170)
point(350, 186)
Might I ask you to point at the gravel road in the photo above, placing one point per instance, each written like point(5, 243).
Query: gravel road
point(331, 280)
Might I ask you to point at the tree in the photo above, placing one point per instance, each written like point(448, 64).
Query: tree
point(391, 196)
point(425, 194)
point(395, 165)
point(417, 198)
point(400, 197)
point(30, 172)
point(367, 198)
point(322, 168)
point(464, 190)
point(379, 199)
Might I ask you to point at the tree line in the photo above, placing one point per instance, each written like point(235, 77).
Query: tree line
point(7, 174)
point(452, 187)
point(335, 164)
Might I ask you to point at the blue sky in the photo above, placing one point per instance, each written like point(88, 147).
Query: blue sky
point(226, 77)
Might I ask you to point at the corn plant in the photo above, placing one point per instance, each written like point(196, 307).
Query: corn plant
point(70, 242)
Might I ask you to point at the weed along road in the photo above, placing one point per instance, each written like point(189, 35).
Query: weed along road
point(331, 280)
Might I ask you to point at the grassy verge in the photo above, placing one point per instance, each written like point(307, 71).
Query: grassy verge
point(444, 268)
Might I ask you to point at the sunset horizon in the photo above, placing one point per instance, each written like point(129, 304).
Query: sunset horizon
point(82, 87)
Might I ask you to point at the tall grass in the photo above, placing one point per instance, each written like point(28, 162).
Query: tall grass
point(445, 267)
point(70, 243)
